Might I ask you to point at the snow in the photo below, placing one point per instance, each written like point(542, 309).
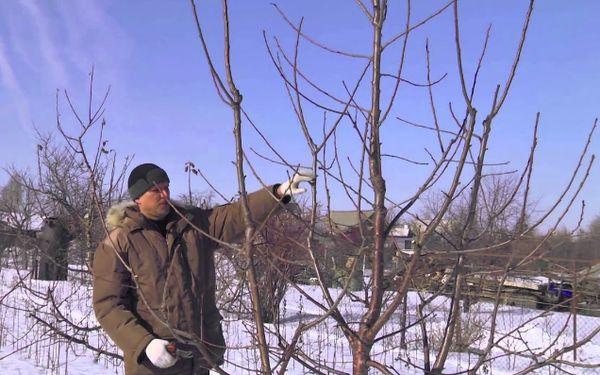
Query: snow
point(27, 347)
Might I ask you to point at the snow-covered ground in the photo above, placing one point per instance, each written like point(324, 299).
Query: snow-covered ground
point(28, 346)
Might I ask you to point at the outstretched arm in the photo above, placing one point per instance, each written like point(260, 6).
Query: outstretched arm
point(226, 222)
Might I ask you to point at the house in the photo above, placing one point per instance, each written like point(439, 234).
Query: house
point(346, 221)
point(402, 237)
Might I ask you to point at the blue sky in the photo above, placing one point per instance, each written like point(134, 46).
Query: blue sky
point(163, 107)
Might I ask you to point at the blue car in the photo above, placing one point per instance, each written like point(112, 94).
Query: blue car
point(555, 295)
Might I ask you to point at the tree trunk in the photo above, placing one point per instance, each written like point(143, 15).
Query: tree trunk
point(360, 357)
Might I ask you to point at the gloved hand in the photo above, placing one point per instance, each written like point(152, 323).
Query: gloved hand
point(157, 353)
point(291, 187)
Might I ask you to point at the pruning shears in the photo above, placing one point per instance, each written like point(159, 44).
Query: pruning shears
point(177, 352)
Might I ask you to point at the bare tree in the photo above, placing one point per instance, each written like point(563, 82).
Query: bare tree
point(486, 215)
point(464, 211)
point(16, 221)
point(77, 178)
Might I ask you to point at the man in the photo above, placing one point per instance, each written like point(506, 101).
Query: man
point(154, 275)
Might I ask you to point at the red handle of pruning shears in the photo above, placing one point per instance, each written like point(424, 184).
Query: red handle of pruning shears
point(176, 352)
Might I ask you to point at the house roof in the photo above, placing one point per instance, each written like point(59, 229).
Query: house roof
point(401, 231)
point(343, 220)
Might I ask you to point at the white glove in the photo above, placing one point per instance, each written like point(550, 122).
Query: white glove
point(291, 187)
point(157, 353)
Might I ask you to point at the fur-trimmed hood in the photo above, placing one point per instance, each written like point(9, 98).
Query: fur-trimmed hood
point(116, 214)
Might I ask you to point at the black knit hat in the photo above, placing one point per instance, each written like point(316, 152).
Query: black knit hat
point(143, 177)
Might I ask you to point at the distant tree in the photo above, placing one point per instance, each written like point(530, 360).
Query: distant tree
point(281, 259)
point(593, 231)
point(593, 237)
point(202, 199)
point(62, 189)
point(587, 243)
point(17, 217)
point(16, 205)
point(498, 218)
point(468, 217)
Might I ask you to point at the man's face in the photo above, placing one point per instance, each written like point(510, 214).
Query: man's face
point(154, 203)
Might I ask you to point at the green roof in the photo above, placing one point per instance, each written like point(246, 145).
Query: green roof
point(343, 220)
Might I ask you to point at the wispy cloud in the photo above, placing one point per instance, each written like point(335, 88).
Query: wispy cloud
point(95, 38)
point(9, 80)
point(48, 48)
